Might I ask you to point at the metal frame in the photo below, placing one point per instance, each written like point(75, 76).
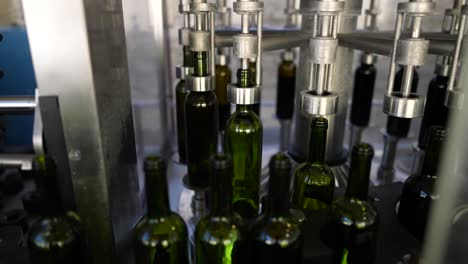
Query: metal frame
point(83, 62)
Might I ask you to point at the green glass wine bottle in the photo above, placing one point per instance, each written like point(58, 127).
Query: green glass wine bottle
point(277, 234)
point(181, 93)
point(219, 239)
point(244, 144)
point(201, 119)
point(56, 237)
point(314, 182)
point(352, 230)
point(161, 236)
point(420, 190)
point(222, 79)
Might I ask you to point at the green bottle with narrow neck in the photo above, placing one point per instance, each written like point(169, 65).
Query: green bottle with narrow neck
point(201, 119)
point(352, 230)
point(222, 79)
point(314, 182)
point(181, 93)
point(161, 236)
point(219, 239)
point(277, 234)
point(420, 190)
point(56, 238)
point(244, 144)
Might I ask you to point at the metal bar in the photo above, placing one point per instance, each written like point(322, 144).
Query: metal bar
point(212, 43)
point(17, 104)
point(379, 43)
point(391, 73)
point(456, 55)
point(259, 48)
point(22, 161)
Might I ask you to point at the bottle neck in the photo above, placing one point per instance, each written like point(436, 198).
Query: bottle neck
point(358, 180)
point(188, 57)
point(317, 144)
point(244, 78)
point(200, 67)
point(221, 189)
point(278, 193)
point(432, 156)
point(157, 194)
point(47, 184)
point(244, 108)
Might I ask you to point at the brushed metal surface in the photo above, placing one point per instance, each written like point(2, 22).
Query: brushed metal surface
point(83, 61)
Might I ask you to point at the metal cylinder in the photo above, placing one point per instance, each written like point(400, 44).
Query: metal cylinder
point(335, 153)
point(17, 104)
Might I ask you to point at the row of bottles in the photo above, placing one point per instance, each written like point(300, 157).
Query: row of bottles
point(275, 236)
point(225, 236)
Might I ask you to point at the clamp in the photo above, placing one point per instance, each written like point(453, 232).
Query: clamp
point(409, 52)
point(319, 99)
point(248, 46)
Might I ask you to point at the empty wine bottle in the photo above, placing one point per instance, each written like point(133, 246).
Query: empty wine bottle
point(222, 79)
point(161, 236)
point(419, 191)
point(244, 144)
point(435, 111)
point(219, 237)
point(314, 182)
point(277, 234)
point(201, 119)
point(181, 93)
point(285, 96)
point(55, 238)
point(396, 128)
point(352, 229)
point(364, 82)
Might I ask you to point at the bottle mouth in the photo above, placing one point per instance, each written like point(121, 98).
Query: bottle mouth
point(320, 122)
point(280, 161)
point(220, 161)
point(363, 150)
point(154, 163)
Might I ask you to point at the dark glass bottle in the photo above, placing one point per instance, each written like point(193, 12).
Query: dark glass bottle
point(219, 238)
point(222, 79)
point(244, 144)
point(161, 236)
point(56, 238)
point(419, 191)
point(314, 182)
point(201, 119)
point(435, 111)
point(277, 234)
point(396, 126)
point(286, 90)
point(352, 229)
point(364, 82)
point(181, 93)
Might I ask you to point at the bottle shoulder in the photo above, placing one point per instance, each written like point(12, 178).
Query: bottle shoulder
point(50, 232)
point(181, 87)
point(282, 231)
point(244, 120)
point(356, 213)
point(151, 230)
point(201, 99)
point(422, 185)
point(217, 230)
point(311, 173)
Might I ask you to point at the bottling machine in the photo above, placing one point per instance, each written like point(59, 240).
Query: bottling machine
point(100, 95)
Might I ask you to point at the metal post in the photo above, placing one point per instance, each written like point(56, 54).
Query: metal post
point(83, 62)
